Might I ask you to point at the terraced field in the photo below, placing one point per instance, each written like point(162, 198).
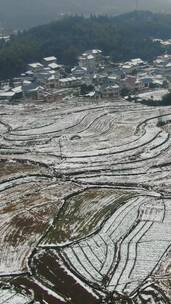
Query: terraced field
point(85, 203)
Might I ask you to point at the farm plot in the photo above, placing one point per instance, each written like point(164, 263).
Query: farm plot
point(83, 214)
point(13, 297)
point(29, 203)
point(84, 201)
point(121, 256)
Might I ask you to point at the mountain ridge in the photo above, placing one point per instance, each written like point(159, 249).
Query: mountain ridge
point(20, 14)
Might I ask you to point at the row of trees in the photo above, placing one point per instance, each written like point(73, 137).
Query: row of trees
point(122, 38)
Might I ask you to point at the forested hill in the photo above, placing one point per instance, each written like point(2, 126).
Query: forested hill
point(27, 13)
point(123, 37)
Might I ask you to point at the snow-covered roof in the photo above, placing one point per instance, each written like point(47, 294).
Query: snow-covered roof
point(51, 77)
point(7, 94)
point(167, 56)
point(46, 68)
point(26, 82)
point(132, 63)
point(82, 58)
point(4, 37)
point(157, 40)
point(127, 66)
point(78, 68)
point(112, 77)
point(50, 58)
point(168, 65)
point(69, 79)
point(35, 65)
point(144, 76)
point(96, 51)
point(29, 73)
point(116, 86)
point(90, 57)
point(113, 87)
point(157, 81)
point(158, 76)
point(137, 61)
point(54, 65)
point(37, 89)
point(91, 94)
point(17, 89)
point(163, 42)
point(52, 72)
point(158, 61)
point(92, 52)
point(6, 88)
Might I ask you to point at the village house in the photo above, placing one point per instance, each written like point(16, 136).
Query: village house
point(146, 80)
point(32, 90)
point(7, 96)
point(69, 82)
point(91, 60)
point(88, 62)
point(49, 60)
point(133, 66)
point(112, 91)
point(35, 67)
point(57, 68)
point(79, 71)
point(131, 83)
point(11, 94)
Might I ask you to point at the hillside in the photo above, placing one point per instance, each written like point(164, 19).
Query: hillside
point(122, 37)
point(24, 14)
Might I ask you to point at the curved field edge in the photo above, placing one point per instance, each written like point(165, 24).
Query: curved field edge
point(84, 214)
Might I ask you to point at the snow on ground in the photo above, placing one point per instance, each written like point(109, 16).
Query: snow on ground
point(52, 154)
point(153, 95)
point(12, 297)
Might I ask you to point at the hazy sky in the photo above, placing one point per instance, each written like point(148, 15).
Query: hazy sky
point(24, 13)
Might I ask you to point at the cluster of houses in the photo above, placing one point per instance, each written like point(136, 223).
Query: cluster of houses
point(95, 76)
point(5, 36)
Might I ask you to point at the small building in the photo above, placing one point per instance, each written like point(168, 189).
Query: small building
point(127, 68)
point(146, 80)
point(35, 67)
point(18, 92)
point(49, 60)
point(32, 90)
point(111, 91)
point(129, 82)
point(88, 62)
point(79, 71)
point(52, 82)
point(54, 66)
point(91, 60)
point(69, 82)
point(7, 96)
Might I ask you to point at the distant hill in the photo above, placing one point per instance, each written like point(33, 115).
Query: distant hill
point(27, 13)
point(122, 37)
